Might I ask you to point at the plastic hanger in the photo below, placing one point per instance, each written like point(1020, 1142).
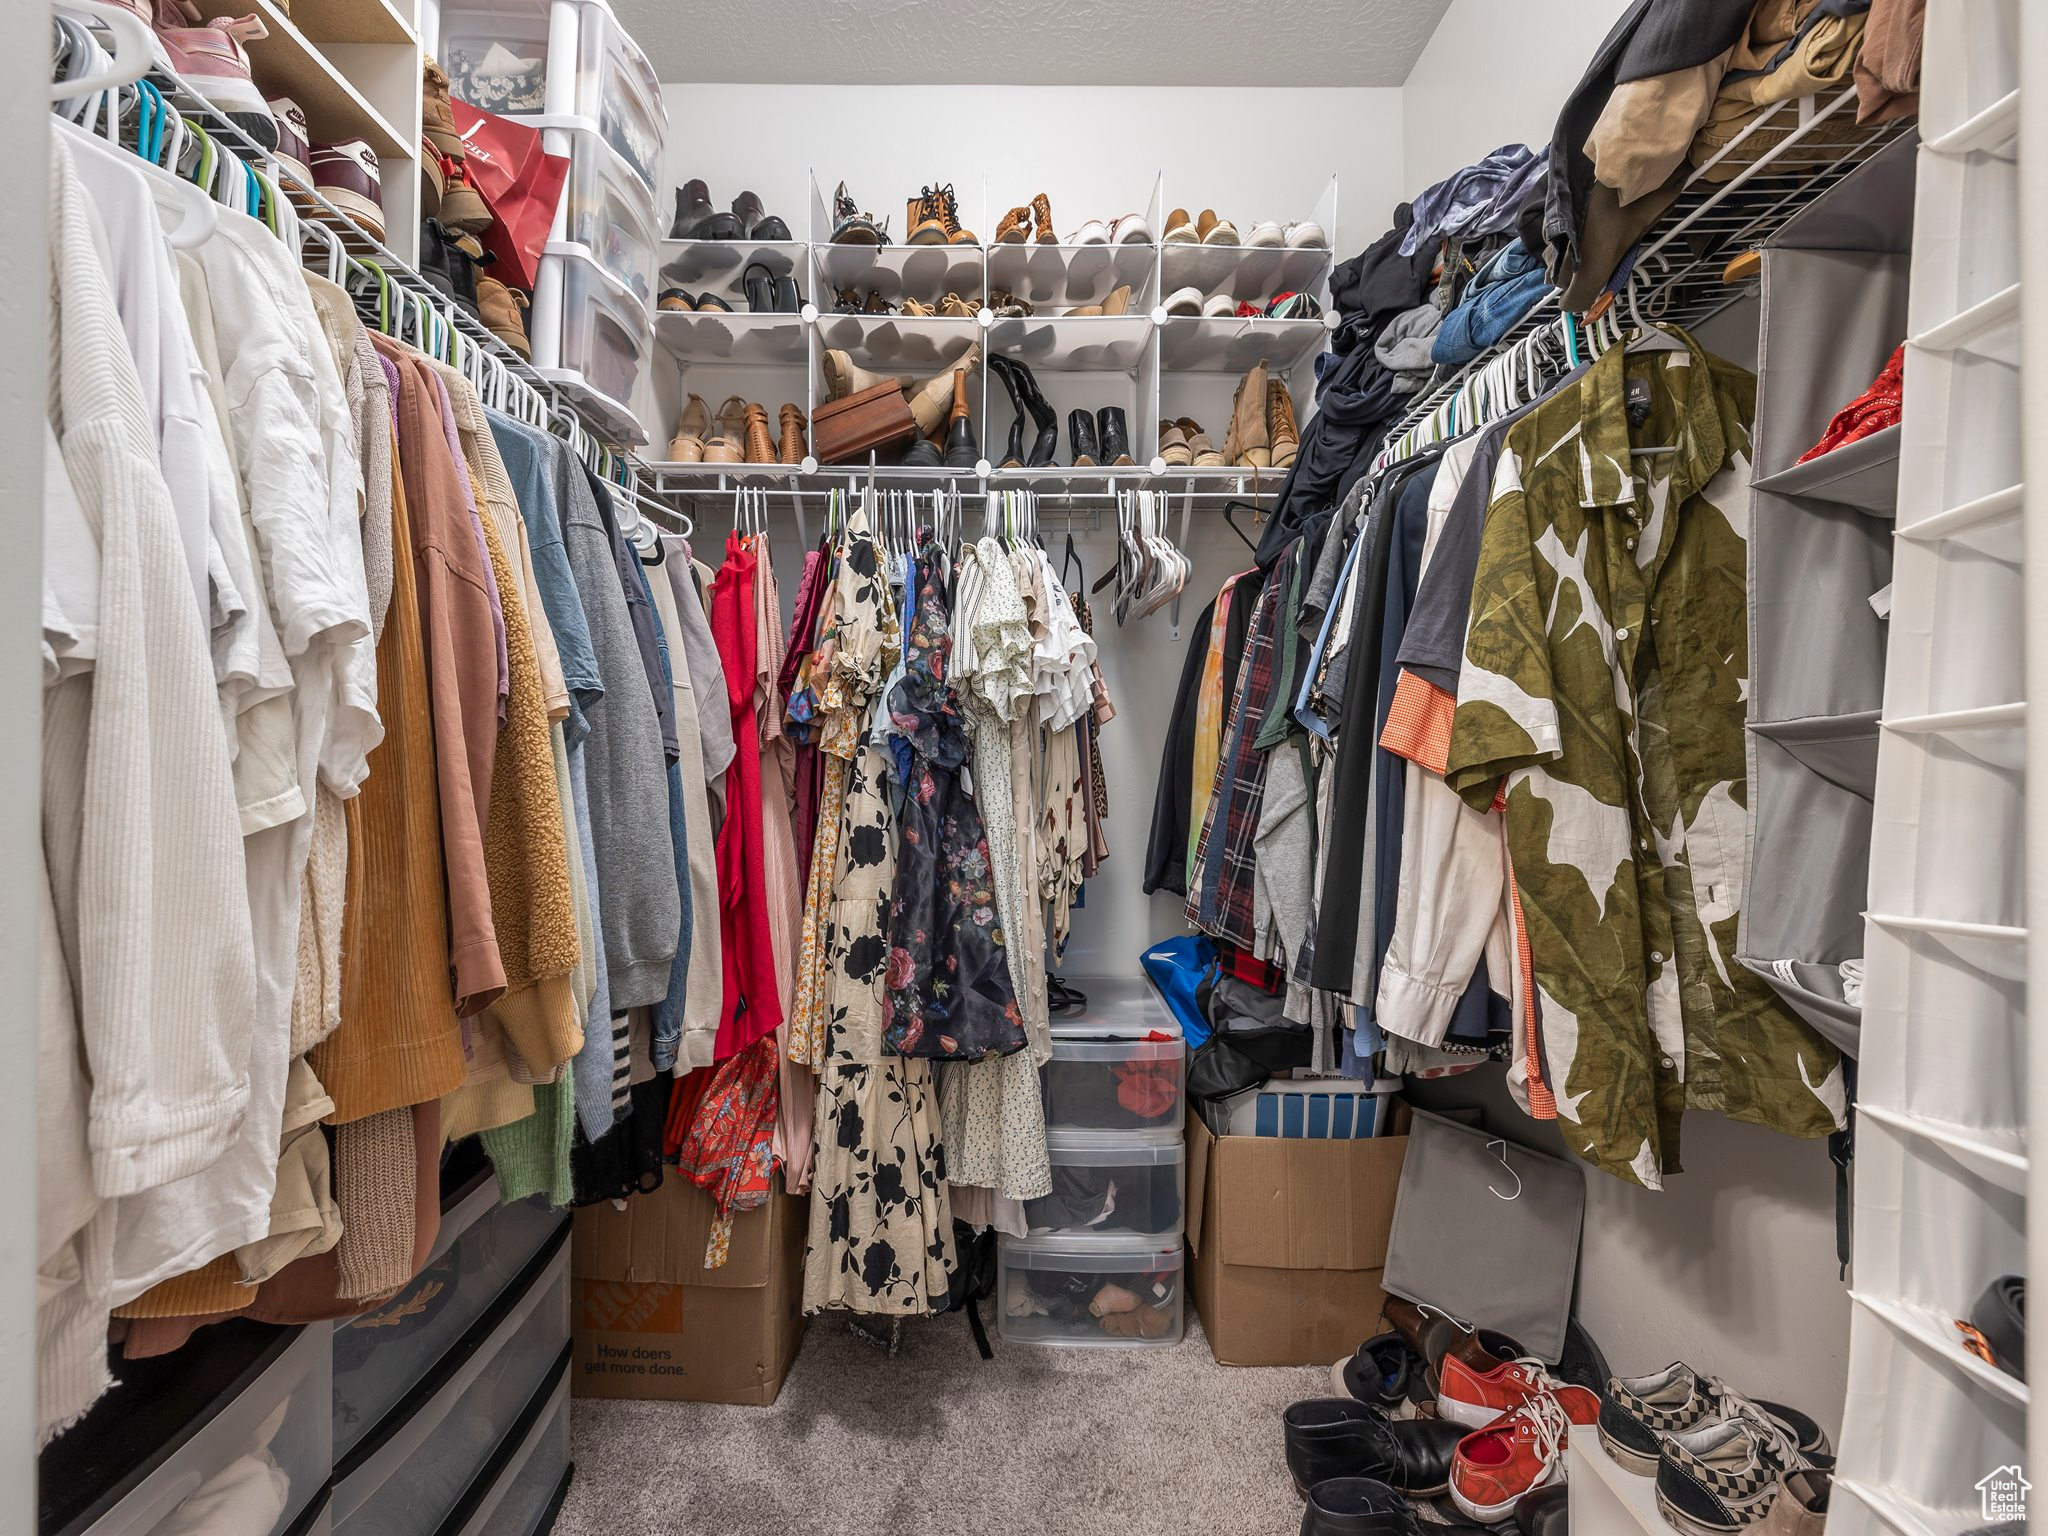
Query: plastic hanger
point(194, 208)
point(134, 50)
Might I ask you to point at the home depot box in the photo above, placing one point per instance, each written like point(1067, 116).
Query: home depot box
point(1290, 1238)
point(652, 1322)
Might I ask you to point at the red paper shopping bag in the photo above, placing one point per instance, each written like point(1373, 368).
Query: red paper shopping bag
point(519, 182)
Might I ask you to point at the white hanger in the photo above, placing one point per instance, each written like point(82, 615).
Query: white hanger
point(194, 208)
point(134, 49)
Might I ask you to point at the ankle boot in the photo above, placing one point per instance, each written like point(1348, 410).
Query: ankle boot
point(843, 377)
point(1081, 438)
point(962, 451)
point(931, 398)
point(923, 454)
point(1112, 436)
point(1041, 210)
point(696, 217)
point(1328, 1437)
point(756, 223)
point(1247, 443)
point(792, 446)
point(1356, 1506)
point(1281, 432)
point(1014, 227)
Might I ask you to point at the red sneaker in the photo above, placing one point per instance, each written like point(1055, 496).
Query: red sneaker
point(1493, 1467)
point(1477, 1398)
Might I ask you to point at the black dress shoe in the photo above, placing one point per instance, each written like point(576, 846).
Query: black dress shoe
point(1112, 435)
point(758, 283)
point(1356, 1506)
point(962, 452)
point(1544, 1511)
point(707, 301)
point(1081, 438)
point(1342, 1437)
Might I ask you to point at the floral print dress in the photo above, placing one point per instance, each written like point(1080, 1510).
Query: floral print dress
point(950, 990)
point(881, 1226)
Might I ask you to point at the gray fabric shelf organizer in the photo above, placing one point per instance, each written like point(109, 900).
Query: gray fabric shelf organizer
point(1820, 547)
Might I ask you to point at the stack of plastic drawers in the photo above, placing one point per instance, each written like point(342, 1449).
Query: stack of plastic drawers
point(1103, 1264)
point(568, 67)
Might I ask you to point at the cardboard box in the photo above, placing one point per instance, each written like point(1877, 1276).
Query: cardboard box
point(652, 1322)
point(1290, 1238)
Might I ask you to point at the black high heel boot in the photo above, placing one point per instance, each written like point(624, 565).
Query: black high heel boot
point(1023, 387)
point(1081, 438)
point(1114, 436)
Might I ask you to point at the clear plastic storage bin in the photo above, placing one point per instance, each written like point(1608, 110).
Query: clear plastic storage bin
point(1107, 1083)
point(1125, 1293)
point(618, 87)
point(604, 336)
point(417, 1478)
point(266, 1454)
point(1113, 1182)
point(605, 212)
point(496, 55)
point(382, 1355)
point(521, 1499)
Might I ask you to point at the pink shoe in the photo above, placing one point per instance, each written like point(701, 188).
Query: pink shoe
point(212, 60)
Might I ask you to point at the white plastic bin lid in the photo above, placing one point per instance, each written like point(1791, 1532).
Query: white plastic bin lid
point(1103, 1253)
point(1119, 1149)
point(1119, 1007)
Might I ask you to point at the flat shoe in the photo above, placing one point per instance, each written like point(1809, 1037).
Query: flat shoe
point(1184, 301)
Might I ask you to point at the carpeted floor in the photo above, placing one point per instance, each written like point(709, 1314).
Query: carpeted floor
point(1037, 1442)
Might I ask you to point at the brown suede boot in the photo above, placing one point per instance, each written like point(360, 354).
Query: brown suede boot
point(1247, 444)
point(1041, 210)
point(1014, 228)
point(498, 307)
point(1281, 431)
point(437, 118)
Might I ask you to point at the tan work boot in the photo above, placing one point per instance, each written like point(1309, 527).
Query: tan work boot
point(437, 118)
point(1281, 432)
point(922, 220)
point(498, 307)
point(1246, 443)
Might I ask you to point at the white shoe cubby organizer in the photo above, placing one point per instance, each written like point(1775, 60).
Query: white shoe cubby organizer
point(1942, 1163)
point(1153, 366)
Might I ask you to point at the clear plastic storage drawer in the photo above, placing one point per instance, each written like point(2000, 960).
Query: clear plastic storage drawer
point(618, 87)
point(606, 213)
point(496, 55)
point(1127, 1293)
point(1113, 1181)
point(1118, 1065)
point(604, 338)
point(524, 1498)
point(255, 1466)
point(381, 1356)
point(416, 1478)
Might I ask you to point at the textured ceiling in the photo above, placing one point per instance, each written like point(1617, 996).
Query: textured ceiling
point(1035, 42)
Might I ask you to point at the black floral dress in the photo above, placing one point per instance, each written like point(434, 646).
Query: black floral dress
point(881, 1227)
point(950, 992)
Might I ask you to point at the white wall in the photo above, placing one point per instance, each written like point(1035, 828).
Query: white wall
point(1495, 72)
point(1251, 153)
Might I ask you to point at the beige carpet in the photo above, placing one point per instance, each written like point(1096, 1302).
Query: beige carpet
point(937, 1442)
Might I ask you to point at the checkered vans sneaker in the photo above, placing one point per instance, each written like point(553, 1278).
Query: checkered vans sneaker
point(1721, 1478)
point(1636, 1413)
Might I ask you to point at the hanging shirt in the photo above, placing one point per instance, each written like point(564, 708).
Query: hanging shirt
point(1606, 669)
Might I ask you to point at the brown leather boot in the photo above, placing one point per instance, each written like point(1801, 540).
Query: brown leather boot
point(1281, 432)
point(1014, 228)
point(792, 451)
point(1247, 444)
point(1433, 1335)
point(498, 307)
point(437, 118)
point(1041, 210)
point(760, 446)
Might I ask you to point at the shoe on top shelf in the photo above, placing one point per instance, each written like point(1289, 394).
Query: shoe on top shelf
point(347, 175)
point(933, 218)
point(1306, 235)
point(213, 61)
point(1180, 229)
point(697, 218)
point(1130, 229)
point(1215, 230)
point(756, 223)
point(1094, 232)
point(1264, 236)
point(294, 150)
point(852, 227)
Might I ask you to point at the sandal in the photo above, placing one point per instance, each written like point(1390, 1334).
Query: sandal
point(732, 419)
point(918, 309)
point(1061, 998)
point(692, 427)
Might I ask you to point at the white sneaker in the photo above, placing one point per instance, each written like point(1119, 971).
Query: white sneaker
point(1184, 301)
point(1219, 306)
point(1265, 235)
point(1094, 232)
point(1131, 229)
point(1305, 236)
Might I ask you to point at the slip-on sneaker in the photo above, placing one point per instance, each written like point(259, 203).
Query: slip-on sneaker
point(1094, 232)
point(1131, 229)
point(1266, 236)
point(1218, 306)
point(1306, 236)
point(1180, 229)
point(1476, 1398)
point(1722, 1477)
point(1494, 1468)
point(1637, 1412)
point(1184, 301)
point(1342, 1437)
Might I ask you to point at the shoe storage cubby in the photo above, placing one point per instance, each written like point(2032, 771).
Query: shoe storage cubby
point(1834, 309)
point(1942, 1157)
point(1151, 366)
